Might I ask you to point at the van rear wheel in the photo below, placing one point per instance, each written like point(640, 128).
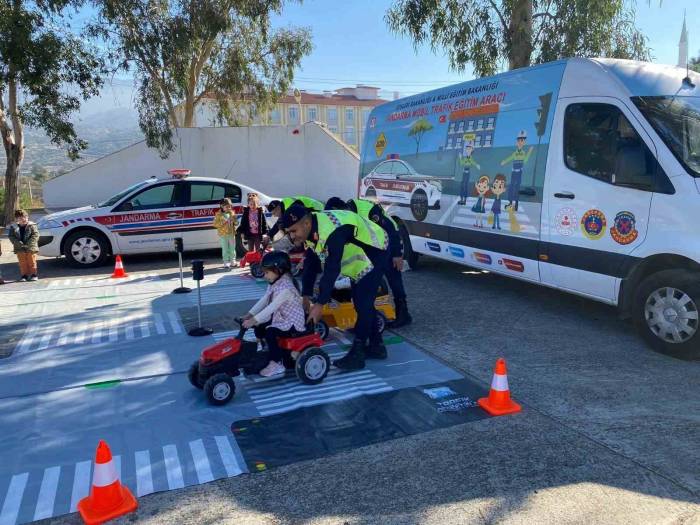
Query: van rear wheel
point(667, 313)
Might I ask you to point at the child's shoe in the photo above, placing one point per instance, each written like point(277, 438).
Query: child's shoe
point(34, 277)
point(227, 266)
point(273, 369)
point(24, 279)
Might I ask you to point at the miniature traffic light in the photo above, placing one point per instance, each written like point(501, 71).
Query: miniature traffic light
point(543, 113)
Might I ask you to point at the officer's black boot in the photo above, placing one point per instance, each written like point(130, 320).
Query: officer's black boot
point(354, 359)
point(403, 318)
point(376, 348)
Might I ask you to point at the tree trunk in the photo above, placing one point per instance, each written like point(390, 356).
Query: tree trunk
point(520, 31)
point(11, 182)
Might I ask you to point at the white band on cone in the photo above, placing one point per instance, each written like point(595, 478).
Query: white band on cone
point(105, 474)
point(499, 383)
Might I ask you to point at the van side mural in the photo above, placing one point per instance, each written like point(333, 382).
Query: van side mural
point(469, 156)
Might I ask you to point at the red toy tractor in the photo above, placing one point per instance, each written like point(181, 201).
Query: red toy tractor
point(253, 259)
point(221, 362)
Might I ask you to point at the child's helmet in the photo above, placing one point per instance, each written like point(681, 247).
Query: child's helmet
point(273, 205)
point(278, 261)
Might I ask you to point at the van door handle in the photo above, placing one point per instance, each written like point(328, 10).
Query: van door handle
point(565, 195)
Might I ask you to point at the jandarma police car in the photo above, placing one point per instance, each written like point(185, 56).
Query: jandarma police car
point(143, 218)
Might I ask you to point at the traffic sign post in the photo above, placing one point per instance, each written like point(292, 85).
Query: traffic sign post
point(179, 249)
point(198, 275)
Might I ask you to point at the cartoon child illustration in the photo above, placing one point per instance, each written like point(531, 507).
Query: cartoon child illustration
point(498, 188)
point(519, 157)
point(466, 160)
point(481, 189)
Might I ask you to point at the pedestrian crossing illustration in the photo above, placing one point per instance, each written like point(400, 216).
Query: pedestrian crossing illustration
point(283, 395)
point(244, 290)
point(57, 489)
point(519, 223)
point(82, 281)
point(125, 328)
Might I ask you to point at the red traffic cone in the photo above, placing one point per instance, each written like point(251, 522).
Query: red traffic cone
point(119, 269)
point(499, 402)
point(108, 498)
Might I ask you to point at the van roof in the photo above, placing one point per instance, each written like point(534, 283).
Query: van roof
point(648, 79)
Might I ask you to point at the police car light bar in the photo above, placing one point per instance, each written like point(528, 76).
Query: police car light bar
point(392, 156)
point(179, 173)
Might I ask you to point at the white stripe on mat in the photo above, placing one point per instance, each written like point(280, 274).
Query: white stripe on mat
point(311, 401)
point(47, 493)
point(173, 470)
point(81, 483)
point(228, 457)
point(201, 461)
point(144, 477)
point(293, 384)
point(13, 499)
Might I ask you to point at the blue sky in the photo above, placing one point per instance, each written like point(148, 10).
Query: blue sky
point(353, 45)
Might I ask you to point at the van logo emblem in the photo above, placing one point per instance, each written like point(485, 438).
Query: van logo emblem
point(593, 224)
point(624, 229)
point(565, 221)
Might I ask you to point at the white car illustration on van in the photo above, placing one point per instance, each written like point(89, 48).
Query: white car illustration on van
point(394, 181)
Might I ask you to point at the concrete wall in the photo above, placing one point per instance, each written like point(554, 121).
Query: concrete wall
point(271, 159)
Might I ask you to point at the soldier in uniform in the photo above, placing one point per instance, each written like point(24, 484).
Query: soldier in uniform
point(343, 243)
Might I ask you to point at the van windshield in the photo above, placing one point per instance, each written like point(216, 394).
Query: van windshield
point(113, 200)
point(677, 121)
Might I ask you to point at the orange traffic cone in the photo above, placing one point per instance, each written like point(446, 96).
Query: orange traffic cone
point(119, 269)
point(499, 402)
point(108, 498)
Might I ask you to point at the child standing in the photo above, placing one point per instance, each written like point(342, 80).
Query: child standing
point(280, 312)
point(225, 223)
point(481, 189)
point(24, 236)
point(253, 224)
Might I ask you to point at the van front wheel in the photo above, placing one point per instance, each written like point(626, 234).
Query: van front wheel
point(667, 313)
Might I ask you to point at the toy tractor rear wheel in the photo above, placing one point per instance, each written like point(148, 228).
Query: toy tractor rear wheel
point(219, 389)
point(193, 375)
point(381, 321)
point(312, 366)
point(256, 271)
point(322, 329)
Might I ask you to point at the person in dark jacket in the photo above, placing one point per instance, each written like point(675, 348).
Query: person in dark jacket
point(24, 236)
point(253, 222)
point(375, 213)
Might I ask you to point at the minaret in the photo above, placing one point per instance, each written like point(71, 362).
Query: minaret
point(683, 46)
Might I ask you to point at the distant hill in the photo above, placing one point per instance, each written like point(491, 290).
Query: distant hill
point(105, 133)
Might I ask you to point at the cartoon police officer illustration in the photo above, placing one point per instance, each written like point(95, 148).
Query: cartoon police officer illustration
point(519, 157)
point(467, 161)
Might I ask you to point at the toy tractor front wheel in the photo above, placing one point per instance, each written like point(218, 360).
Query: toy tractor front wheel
point(321, 328)
point(312, 366)
point(381, 321)
point(193, 375)
point(256, 271)
point(219, 389)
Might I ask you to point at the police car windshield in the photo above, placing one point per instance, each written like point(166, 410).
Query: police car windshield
point(677, 121)
point(113, 200)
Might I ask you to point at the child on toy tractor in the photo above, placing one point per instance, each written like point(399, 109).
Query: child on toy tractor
point(280, 312)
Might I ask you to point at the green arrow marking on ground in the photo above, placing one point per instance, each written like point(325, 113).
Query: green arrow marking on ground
point(103, 384)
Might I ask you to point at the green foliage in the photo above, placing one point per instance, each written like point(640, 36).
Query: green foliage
point(694, 64)
point(24, 200)
point(488, 33)
point(183, 52)
point(51, 68)
point(40, 173)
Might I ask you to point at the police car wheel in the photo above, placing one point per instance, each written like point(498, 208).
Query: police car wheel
point(219, 389)
point(419, 205)
point(667, 313)
point(312, 366)
point(86, 249)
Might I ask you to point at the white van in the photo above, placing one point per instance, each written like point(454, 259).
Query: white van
point(582, 175)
